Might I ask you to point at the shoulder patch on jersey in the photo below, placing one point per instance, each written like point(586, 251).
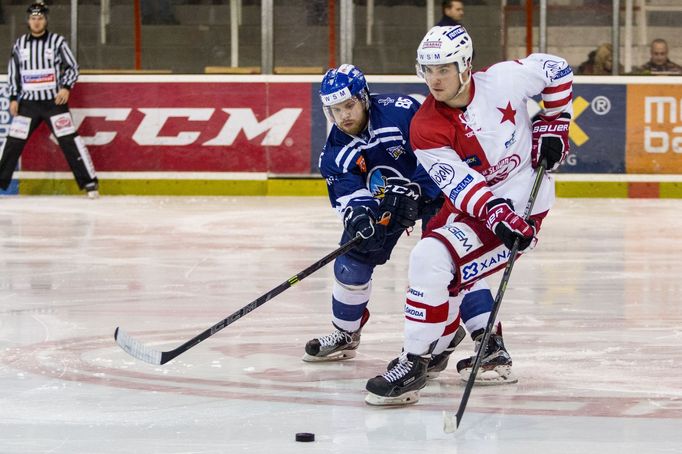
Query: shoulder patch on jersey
point(556, 69)
point(362, 165)
point(396, 152)
point(385, 101)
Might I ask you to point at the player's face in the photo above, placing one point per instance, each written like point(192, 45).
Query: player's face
point(350, 116)
point(443, 81)
point(37, 23)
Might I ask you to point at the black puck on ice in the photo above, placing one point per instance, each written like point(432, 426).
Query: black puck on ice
point(305, 436)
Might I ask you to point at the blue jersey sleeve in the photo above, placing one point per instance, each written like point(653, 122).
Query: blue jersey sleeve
point(430, 189)
point(397, 109)
point(343, 168)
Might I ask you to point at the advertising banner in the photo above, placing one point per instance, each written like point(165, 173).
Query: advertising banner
point(654, 125)
point(135, 125)
point(597, 132)
point(186, 127)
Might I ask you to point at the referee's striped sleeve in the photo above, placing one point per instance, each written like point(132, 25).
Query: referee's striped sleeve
point(70, 73)
point(13, 78)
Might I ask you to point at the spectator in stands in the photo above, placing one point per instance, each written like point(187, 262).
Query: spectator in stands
point(453, 12)
point(659, 63)
point(599, 62)
point(157, 12)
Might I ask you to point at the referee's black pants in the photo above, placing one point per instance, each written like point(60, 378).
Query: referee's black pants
point(72, 145)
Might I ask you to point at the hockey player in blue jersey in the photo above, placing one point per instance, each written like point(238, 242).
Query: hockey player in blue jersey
point(372, 177)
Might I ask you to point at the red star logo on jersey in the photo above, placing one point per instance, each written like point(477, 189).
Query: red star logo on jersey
point(507, 113)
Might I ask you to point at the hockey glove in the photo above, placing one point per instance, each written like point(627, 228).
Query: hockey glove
point(550, 140)
point(359, 221)
point(401, 200)
point(507, 225)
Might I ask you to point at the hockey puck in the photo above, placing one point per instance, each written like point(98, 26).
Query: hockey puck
point(305, 436)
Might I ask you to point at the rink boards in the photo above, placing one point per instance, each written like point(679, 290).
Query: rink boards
point(262, 135)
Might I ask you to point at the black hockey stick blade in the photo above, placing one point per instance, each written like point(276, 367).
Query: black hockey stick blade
point(138, 350)
point(450, 425)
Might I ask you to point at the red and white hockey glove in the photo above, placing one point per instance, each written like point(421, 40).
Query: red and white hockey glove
point(507, 225)
point(550, 140)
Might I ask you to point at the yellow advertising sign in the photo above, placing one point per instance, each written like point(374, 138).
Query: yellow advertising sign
point(654, 129)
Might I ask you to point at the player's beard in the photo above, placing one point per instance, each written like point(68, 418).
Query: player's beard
point(354, 127)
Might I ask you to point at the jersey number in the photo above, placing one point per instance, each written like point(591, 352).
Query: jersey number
point(403, 102)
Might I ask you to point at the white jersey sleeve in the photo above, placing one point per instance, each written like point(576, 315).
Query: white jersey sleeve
point(552, 77)
point(465, 188)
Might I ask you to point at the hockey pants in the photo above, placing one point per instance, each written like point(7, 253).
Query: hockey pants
point(58, 119)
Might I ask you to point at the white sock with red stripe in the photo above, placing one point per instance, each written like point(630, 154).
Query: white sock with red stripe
point(427, 309)
point(450, 330)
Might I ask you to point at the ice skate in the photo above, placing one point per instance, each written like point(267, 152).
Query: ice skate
point(439, 362)
point(337, 346)
point(496, 363)
point(400, 385)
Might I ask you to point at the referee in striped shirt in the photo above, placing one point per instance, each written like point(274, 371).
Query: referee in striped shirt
point(41, 73)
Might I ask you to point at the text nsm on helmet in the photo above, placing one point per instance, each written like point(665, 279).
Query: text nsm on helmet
point(444, 45)
point(37, 8)
point(341, 84)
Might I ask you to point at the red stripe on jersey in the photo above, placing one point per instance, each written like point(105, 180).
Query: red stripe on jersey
point(467, 198)
point(452, 327)
point(559, 103)
point(425, 313)
point(558, 88)
point(479, 208)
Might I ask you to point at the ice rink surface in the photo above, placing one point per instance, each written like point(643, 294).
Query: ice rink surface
point(592, 317)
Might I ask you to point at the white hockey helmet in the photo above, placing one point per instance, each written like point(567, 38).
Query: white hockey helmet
point(443, 45)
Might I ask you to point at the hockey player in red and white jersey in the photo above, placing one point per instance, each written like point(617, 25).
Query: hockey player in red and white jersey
point(474, 136)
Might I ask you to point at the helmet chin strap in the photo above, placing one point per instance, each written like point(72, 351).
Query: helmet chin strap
point(462, 83)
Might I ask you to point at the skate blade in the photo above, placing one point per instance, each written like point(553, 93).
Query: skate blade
point(432, 375)
point(338, 356)
point(500, 375)
point(408, 398)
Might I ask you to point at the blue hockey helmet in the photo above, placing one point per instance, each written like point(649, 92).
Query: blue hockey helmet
point(341, 84)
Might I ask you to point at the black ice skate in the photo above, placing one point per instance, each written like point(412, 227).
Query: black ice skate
point(439, 362)
point(496, 363)
point(336, 346)
point(400, 385)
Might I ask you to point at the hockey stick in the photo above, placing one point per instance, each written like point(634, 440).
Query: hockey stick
point(147, 354)
point(449, 425)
